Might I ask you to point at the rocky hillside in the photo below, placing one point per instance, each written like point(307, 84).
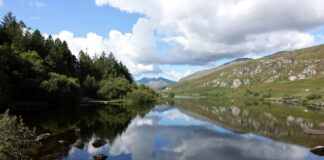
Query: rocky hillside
point(303, 68)
point(203, 73)
point(155, 82)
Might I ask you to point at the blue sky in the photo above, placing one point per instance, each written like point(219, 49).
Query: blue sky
point(173, 39)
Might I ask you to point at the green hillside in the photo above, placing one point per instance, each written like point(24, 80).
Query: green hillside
point(295, 74)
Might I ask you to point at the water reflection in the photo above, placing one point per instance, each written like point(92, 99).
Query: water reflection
point(164, 132)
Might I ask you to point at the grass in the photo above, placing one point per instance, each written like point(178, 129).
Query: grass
point(310, 89)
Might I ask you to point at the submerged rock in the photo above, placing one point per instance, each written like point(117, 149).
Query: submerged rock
point(319, 150)
point(42, 137)
point(99, 157)
point(98, 143)
point(78, 144)
point(61, 141)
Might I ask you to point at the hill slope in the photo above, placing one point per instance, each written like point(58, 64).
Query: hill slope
point(155, 82)
point(296, 73)
point(200, 74)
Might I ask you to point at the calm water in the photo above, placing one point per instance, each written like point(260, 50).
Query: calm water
point(187, 129)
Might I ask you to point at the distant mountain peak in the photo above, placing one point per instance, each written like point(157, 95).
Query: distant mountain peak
point(155, 82)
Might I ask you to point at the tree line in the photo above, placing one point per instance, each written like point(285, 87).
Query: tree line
point(41, 71)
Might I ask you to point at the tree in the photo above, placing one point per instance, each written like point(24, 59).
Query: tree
point(89, 86)
point(61, 90)
point(142, 94)
point(113, 88)
point(171, 95)
point(37, 43)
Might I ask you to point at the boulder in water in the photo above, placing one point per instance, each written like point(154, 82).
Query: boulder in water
point(98, 143)
point(42, 137)
point(319, 150)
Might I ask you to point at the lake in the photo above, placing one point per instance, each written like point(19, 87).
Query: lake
point(184, 129)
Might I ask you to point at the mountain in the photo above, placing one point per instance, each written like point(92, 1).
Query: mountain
point(155, 82)
point(291, 74)
point(200, 74)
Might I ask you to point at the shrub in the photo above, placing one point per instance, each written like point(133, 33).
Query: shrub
point(171, 95)
point(60, 89)
point(15, 138)
point(267, 95)
point(289, 97)
point(114, 88)
point(247, 92)
point(314, 96)
point(142, 94)
point(256, 94)
point(141, 97)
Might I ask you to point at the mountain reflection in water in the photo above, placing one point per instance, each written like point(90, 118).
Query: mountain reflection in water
point(159, 132)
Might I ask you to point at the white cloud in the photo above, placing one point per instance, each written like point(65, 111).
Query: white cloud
point(38, 4)
point(204, 31)
point(177, 75)
point(1, 3)
point(201, 32)
point(127, 53)
point(187, 143)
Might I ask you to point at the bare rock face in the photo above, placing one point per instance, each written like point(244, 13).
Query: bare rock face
point(246, 81)
point(310, 70)
point(319, 150)
point(292, 78)
point(100, 157)
point(271, 79)
point(237, 83)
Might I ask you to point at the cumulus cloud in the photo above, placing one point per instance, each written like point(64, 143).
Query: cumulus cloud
point(196, 142)
point(177, 75)
point(123, 47)
point(204, 31)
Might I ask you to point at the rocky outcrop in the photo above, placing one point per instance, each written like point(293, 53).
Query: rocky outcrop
point(292, 78)
point(236, 83)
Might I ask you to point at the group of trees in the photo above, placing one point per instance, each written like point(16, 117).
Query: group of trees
point(40, 70)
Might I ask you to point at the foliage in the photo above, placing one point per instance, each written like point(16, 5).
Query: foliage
point(15, 138)
point(61, 89)
point(142, 94)
point(37, 69)
point(89, 86)
point(266, 95)
point(171, 95)
point(289, 97)
point(113, 88)
point(314, 96)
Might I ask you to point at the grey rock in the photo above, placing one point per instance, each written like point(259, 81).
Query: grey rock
point(42, 137)
point(61, 141)
point(319, 150)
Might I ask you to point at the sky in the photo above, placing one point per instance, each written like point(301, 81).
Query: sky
point(175, 38)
